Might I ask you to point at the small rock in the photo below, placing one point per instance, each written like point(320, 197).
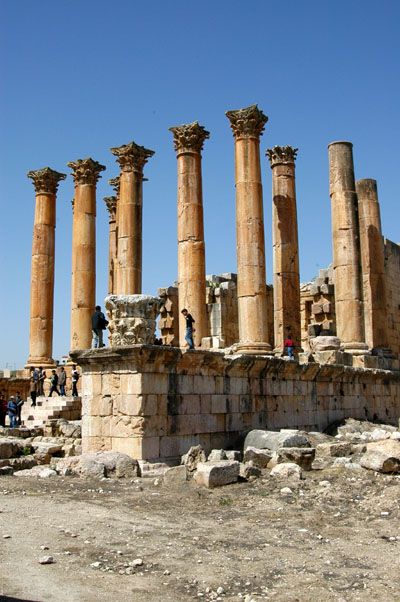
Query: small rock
point(6, 536)
point(249, 472)
point(216, 455)
point(95, 565)
point(137, 562)
point(46, 560)
point(286, 491)
point(287, 470)
point(216, 474)
point(258, 457)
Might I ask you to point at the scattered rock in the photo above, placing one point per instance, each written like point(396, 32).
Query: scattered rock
point(44, 472)
point(286, 491)
point(217, 455)
point(303, 456)
point(288, 470)
point(382, 456)
point(273, 440)
point(46, 560)
point(334, 450)
point(216, 474)
point(176, 475)
point(258, 457)
point(195, 455)
point(6, 471)
point(249, 472)
point(233, 454)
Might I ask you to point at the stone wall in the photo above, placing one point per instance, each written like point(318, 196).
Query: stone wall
point(392, 269)
point(155, 402)
point(317, 307)
point(13, 384)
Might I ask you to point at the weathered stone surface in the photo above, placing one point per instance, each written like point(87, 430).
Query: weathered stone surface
point(8, 449)
point(233, 454)
point(44, 472)
point(175, 476)
point(334, 449)
point(216, 474)
point(249, 471)
point(23, 462)
point(382, 456)
point(324, 343)
point(258, 457)
point(303, 456)
point(99, 464)
point(217, 454)
point(132, 319)
point(287, 470)
point(195, 455)
point(273, 440)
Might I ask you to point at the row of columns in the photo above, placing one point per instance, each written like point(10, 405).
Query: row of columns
point(358, 253)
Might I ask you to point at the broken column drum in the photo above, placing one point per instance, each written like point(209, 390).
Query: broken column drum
point(285, 246)
point(373, 266)
point(188, 142)
point(45, 182)
point(86, 172)
point(346, 249)
point(132, 159)
point(111, 204)
point(247, 125)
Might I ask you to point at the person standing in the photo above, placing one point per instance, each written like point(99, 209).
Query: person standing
point(74, 379)
point(189, 328)
point(20, 402)
point(289, 344)
point(62, 379)
point(12, 411)
point(54, 383)
point(34, 380)
point(99, 323)
point(42, 378)
point(3, 409)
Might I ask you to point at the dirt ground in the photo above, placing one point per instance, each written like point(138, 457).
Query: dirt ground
point(336, 537)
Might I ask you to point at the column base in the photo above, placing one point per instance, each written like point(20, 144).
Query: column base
point(253, 348)
point(44, 362)
point(355, 348)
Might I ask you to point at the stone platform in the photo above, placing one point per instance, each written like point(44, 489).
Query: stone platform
point(154, 402)
point(50, 407)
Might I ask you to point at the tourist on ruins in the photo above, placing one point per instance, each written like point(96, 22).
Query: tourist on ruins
point(20, 402)
point(99, 323)
point(34, 384)
point(54, 383)
point(74, 379)
point(189, 328)
point(12, 411)
point(62, 380)
point(3, 409)
point(42, 378)
point(289, 345)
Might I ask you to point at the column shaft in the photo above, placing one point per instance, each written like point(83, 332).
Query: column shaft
point(111, 203)
point(373, 265)
point(247, 125)
point(346, 248)
point(189, 140)
point(83, 285)
point(42, 270)
point(285, 247)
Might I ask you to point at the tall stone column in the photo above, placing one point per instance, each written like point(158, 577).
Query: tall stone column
point(86, 172)
point(247, 125)
point(188, 142)
point(45, 182)
point(373, 266)
point(285, 246)
point(132, 159)
point(111, 204)
point(346, 248)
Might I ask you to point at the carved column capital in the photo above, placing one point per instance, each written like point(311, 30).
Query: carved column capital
point(85, 171)
point(248, 122)
point(46, 180)
point(281, 155)
point(189, 137)
point(115, 183)
point(111, 204)
point(132, 157)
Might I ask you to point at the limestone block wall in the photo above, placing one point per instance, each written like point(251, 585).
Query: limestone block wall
point(392, 270)
point(155, 402)
point(317, 307)
point(168, 322)
point(10, 385)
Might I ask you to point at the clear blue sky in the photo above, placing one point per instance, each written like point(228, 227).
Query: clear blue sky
point(79, 77)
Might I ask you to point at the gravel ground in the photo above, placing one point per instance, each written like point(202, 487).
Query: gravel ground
point(335, 537)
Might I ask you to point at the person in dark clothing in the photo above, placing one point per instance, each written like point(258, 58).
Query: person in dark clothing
point(34, 378)
point(20, 402)
point(62, 379)
point(74, 380)
point(99, 323)
point(42, 378)
point(189, 328)
point(54, 383)
point(3, 409)
point(12, 411)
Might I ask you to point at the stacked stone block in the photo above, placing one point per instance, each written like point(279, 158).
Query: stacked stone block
point(168, 322)
point(317, 307)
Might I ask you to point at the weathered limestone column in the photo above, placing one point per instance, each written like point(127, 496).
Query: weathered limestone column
point(45, 182)
point(247, 125)
point(373, 266)
point(111, 204)
point(346, 248)
point(132, 159)
point(285, 246)
point(188, 142)
point(86, 172)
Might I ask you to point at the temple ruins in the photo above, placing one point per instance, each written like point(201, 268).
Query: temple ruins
point(153, 401)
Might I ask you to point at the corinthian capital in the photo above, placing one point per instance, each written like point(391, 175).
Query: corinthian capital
point(248, 122)
point(132, 157)
point(115, 183)
point(46, 180)
point(189, 137)
point(279, 155)
point(111, 204)
point(86, 171)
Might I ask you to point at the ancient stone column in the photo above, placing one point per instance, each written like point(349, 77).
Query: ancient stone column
point(45, 182)
point(132, 159)
point(247, 125)
point(188, 142)
point(111, 204)
point(86, 172)
point(373, 266)
point(285, 246)
point(346, 248)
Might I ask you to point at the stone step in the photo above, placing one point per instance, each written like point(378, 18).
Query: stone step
point(51, 408)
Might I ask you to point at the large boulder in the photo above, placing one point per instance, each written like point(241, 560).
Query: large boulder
point(382, 456)
point(257, 457)
point(273, 440)
point(216, 474)
point(302, 456)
